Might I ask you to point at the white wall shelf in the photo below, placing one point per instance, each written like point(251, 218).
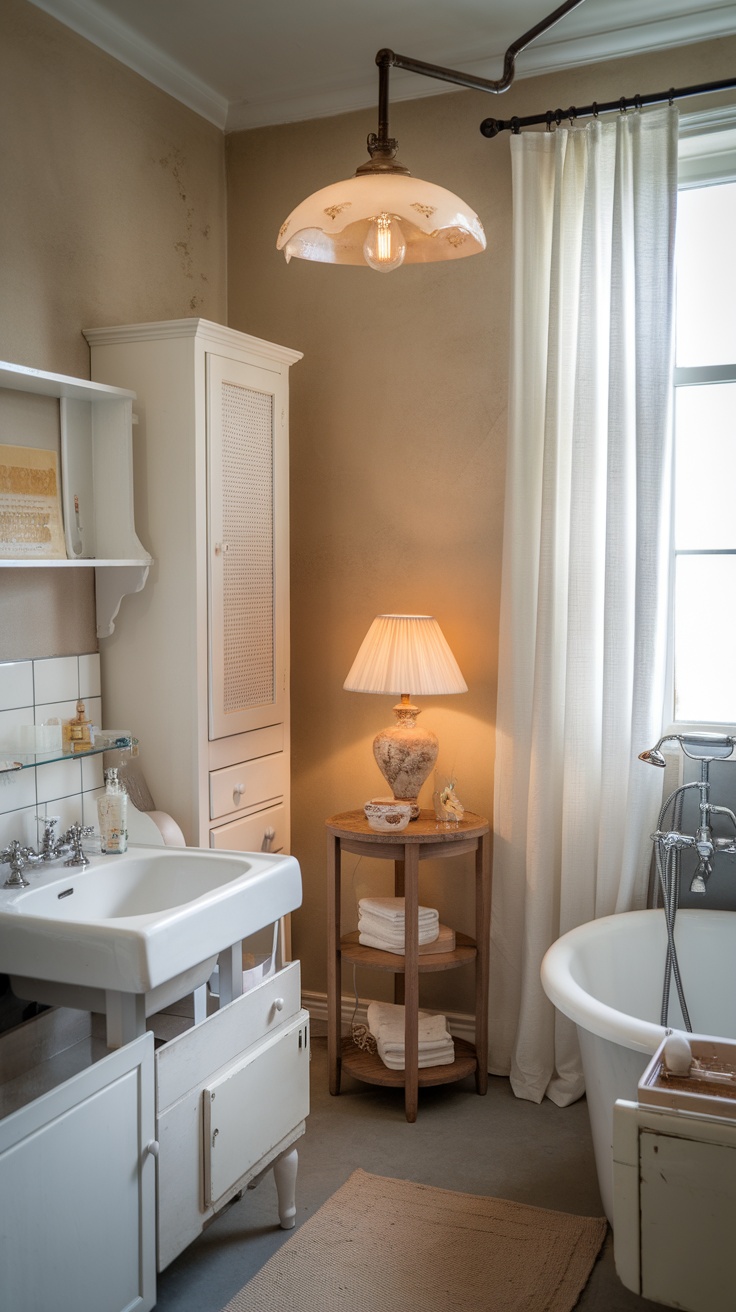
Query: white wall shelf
point(97, 474)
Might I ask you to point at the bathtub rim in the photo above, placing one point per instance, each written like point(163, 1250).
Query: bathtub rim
point(578, 1005)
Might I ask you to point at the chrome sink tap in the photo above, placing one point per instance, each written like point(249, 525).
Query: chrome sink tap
point(74, 837)
point(17, 856)
point(52, 847)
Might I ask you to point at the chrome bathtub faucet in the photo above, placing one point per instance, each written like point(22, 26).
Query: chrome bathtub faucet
point(669, 843)
point(705, 748)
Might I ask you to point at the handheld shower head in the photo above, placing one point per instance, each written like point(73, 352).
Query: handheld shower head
point(698, 746)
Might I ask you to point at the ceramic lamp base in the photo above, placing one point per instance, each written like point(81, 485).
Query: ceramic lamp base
point(405, 755)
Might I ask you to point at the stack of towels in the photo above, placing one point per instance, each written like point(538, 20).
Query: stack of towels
point(386, 1024)
point(381, 923)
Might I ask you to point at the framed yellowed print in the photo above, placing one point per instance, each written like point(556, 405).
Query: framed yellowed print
point(30, 505)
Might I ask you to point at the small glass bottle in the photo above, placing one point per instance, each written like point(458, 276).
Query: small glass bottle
point(112, 811)
point(77, 736)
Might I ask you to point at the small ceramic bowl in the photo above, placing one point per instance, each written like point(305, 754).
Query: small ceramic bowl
point(387, 815)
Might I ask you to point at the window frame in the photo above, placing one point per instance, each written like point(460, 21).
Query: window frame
point(706, 157)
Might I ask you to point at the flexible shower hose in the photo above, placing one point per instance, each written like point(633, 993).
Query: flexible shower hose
point(668, 871)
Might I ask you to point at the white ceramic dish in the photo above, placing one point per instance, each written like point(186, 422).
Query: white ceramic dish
point(386, 815)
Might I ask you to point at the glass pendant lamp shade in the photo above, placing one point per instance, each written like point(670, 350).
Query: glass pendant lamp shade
point(404, 654)
point(365, 219)
point(383, 217)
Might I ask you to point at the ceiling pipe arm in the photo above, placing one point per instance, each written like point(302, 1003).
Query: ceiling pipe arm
point(382, 146)
point(388, 58)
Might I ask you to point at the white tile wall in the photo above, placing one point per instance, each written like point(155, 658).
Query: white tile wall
point(32, 692)
point(16, 683)
point(56, 679)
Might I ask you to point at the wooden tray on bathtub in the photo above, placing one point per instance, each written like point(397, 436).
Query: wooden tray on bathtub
point(702, 1092)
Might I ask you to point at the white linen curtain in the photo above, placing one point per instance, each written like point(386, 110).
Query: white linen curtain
point(584, 585)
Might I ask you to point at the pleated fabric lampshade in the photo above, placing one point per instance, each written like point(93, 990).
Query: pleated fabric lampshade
point(405, 655)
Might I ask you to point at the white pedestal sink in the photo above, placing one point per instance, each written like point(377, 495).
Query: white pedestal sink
point(128, 934)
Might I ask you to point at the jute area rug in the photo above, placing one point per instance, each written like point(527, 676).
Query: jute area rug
point(381, 1245)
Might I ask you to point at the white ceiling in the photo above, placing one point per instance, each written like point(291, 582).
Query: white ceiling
point(248, 63)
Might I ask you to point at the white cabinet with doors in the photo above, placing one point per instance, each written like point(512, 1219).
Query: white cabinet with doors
point(112, 1163)
point(201, 666)
point(77, 1169)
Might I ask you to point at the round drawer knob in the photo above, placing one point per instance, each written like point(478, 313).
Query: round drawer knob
point(152, 1147)
point(278, 1004)
point(238, 790)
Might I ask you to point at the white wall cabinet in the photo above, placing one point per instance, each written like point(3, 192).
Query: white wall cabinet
point(96, 448)
point(77, 1175)
point(201, 666)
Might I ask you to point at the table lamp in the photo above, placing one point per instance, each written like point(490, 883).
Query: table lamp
point(405, 654)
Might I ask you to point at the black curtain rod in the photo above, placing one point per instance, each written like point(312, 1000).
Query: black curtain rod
point(490, 127)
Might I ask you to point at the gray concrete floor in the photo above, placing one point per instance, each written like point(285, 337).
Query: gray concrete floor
point(496, 1145)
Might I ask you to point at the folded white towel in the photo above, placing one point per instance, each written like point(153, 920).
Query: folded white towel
point(387, 944)
point(386, 1021)
point(424, 1049)
point(395, 935)
point(398, 1063)
point(392, 909)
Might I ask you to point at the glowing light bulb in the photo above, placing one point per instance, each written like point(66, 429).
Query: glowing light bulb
point(384, 247)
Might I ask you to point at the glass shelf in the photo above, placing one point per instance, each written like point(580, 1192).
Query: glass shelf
point(110, 741)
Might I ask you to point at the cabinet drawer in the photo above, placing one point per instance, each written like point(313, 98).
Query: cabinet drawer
point(245, 746)
point(187, 1061)
point(266, 831)
point(247, 786)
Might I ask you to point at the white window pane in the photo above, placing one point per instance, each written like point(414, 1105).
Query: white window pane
point(706, 275)
point(705, 639)
point(705, 467)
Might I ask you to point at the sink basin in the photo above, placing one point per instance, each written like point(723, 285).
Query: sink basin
point(133, 923)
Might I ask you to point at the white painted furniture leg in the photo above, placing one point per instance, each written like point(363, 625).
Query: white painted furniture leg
point(284, 1173)
point(200, 1004)
point(126, 1017)
point(230, 964)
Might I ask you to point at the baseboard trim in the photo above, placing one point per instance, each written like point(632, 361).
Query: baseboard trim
point(461, 1024)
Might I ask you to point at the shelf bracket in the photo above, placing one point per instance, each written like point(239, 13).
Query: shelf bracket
point(111, 585)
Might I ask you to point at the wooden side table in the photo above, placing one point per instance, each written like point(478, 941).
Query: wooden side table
point(422, 839)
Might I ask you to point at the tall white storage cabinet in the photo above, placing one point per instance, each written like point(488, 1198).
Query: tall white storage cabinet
point(201, 666)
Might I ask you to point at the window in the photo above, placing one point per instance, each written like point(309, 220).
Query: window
point(704, 519)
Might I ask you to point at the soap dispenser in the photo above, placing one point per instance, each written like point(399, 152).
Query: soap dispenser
point(112, 811)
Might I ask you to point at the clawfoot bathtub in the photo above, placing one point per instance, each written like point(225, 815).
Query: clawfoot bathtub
point(607, 976)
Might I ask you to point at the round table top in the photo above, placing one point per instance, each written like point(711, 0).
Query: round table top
point(425, 829)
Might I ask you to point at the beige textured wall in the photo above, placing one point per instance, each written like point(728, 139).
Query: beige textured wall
point(112, 211)
point(398, 451)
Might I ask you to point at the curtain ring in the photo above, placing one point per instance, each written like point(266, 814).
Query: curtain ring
point(622, 105)
point(515, 126)
point(548, 116)
point(558, 116)
point(595, 109)
point(637, 103)
point(572, 114)
point(672, 96)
